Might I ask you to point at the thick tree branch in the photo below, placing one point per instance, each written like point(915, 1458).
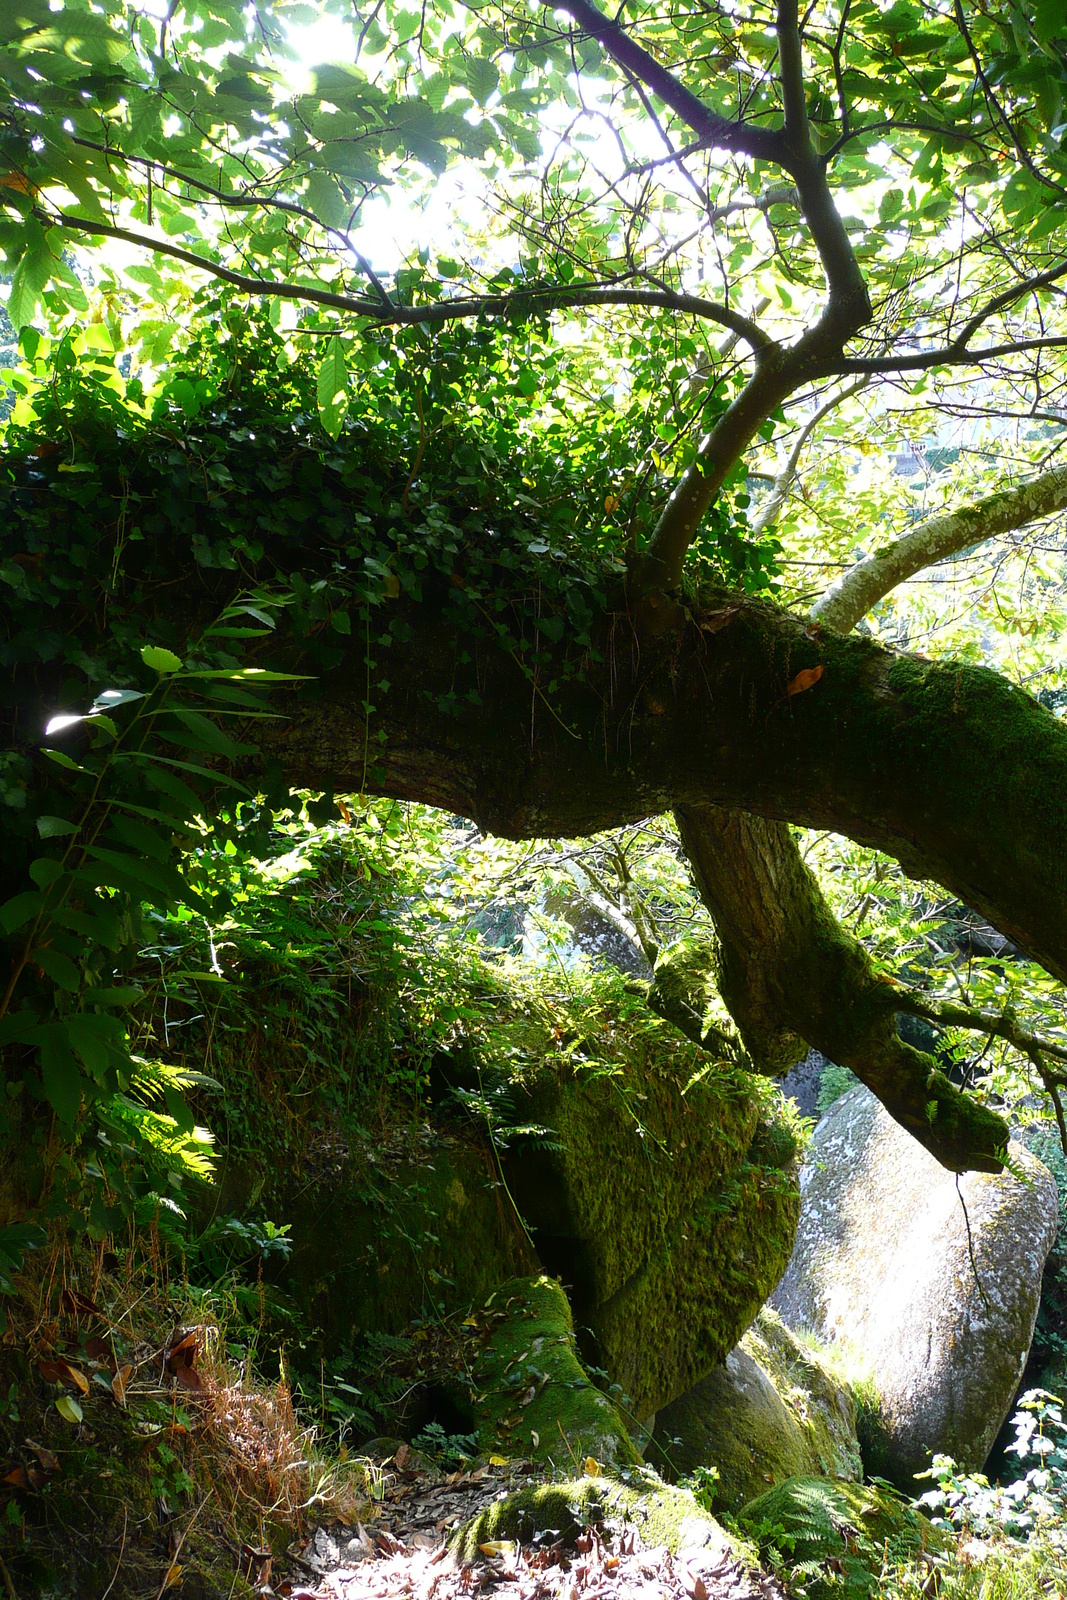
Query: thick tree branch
point(997, 1026)
point(852, 595)
point(763, 144)
point(950, 768)
point(958, 352)
point(788, 972)
point(947, 356)
point(779, 371)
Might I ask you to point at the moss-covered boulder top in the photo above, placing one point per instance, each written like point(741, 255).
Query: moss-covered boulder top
point(525, 1388)
point(658, 1184)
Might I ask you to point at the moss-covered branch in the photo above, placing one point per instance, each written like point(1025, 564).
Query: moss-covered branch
point(789, 972)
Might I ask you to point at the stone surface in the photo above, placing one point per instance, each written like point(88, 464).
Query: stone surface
point(883, 1266)
point(665, 1200)
point(771, 1411)
point(526, 1388)
point(662, 1514)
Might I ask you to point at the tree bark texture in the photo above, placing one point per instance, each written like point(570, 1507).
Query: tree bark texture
point(949, 768)
point(789, 971)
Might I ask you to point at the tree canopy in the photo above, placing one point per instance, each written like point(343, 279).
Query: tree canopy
point(545, 398)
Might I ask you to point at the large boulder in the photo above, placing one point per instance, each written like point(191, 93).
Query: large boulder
point(663, 1193)
point(932, 1287)
point(771, 1411)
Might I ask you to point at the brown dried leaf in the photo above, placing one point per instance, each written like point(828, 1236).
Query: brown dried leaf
point(76, 1376)
point(119, 1382)
point(807, 678)
point(189, 1378)
point(174, 1572)
point(17, 1478)
point(79, 1305)
point(184, 1353)
point(52, 1371)
point(48, 1459)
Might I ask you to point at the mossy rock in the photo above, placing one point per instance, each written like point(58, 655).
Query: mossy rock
point(839, 1537)
point(667, 1205)
point(391, 1233)
point(663, 1515)
point(771, 1411)
point(529, 1392)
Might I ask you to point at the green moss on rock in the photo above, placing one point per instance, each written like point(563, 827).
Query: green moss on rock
point(771, 1411)
point(839, 1536)
point(393, 1230)
point(667, 1204)
point(663, 1515)
point(528, 1390)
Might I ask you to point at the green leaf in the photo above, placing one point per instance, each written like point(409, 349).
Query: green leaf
point(209, 735)
point(160, 660)
point(127, 996)
point(481, 76)
point(16, 1239)
point(59, 968)
point(55, 827)
point(332, 388)
point(17, 911)
point(29, 278)
point(324, 197)
point(178, 1109)
point(188, 766)
point(62, 1077)
point(69, 1409)
point(1050, 20)
point(20, 1027)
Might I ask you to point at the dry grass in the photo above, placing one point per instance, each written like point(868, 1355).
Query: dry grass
point(179, 1455)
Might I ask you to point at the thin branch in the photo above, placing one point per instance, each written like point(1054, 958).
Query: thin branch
point(784, 481)
point(780, 371)
point(1000, 1027)
point(949, 356)
point(537, 298)
point(763, 144)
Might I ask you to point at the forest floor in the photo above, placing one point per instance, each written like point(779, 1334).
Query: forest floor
point(404, 1552)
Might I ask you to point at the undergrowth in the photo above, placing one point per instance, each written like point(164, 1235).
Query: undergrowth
point(134, 1450)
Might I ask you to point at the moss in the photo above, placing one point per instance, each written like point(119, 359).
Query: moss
point(822, 1406)
point(395, 1230)
point(663, 1515)
point(772, 1411)
point(530, 1394)
point(668, 1205)
point(839, 1536)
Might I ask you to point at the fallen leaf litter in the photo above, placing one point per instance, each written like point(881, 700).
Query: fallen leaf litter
point(404, 1553)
